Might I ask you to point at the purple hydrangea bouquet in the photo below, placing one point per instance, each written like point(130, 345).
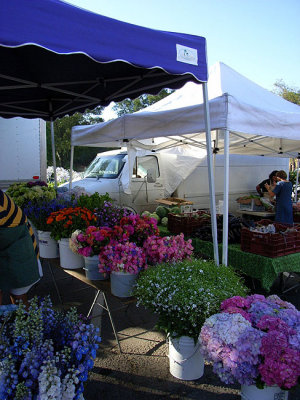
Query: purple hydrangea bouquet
point(45, 354)
point(254, 341)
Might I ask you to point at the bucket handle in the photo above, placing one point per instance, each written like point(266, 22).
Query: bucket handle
point(186, 359)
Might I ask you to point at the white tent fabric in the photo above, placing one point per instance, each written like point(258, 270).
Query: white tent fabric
point(244, 118)
point(260, 122)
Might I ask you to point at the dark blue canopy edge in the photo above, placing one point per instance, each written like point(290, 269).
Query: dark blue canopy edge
point(57, 59)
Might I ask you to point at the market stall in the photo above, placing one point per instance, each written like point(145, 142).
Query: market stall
point(245, 118)
point(58, 59)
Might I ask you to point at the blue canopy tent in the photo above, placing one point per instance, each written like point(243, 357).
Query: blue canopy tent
point(57, 59)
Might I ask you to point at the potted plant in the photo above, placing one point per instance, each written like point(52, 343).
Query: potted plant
point(45, 354)
point(184, 294)
point(62, 224)
point(88, 243)
point(35, 191)
point(110, 215)
point(167, 249)
point(139, 228)
point(38, 213)
point(123, 261)
point(255, 341)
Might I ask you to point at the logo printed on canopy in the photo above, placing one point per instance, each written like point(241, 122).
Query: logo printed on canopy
point(186, 54)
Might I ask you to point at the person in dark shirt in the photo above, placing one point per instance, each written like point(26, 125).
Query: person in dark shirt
point(261, 189)
point(283, 193)
point(20, 267)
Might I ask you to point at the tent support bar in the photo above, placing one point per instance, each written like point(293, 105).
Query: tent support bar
point(71, 167)
point(211, 180)
point(53, 152)
point(225, 198)
point(297, 180)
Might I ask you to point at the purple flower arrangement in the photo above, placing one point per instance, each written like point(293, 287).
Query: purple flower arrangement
point(110, 215)
point(45, 354)
point(254, 340)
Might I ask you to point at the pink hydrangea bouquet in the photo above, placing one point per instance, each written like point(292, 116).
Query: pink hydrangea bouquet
point(167, 249)
point(122, 257)
point(254, 340)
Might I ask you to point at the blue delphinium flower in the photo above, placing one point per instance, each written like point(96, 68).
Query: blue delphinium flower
point(39, 351)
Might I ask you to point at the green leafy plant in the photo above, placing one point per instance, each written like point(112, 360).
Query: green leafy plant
point(93, 201)
point(24, 193)
point(184, 294)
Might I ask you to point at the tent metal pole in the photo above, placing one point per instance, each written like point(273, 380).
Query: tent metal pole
point(53, 152)
point(297, 180)
point(71, 167)
point(225, 198)
point(211, 181)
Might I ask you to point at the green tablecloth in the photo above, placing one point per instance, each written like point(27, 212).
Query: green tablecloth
point(265, 269)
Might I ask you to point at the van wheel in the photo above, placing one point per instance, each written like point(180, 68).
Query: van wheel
point(130, 209)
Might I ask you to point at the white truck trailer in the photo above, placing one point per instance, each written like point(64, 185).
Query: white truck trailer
point(22, 150)
point(159, 175)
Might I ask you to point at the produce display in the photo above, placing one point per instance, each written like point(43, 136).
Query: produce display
point(235, 225)
point(161, 214)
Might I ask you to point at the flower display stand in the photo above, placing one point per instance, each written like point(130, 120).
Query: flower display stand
point(92, 270)
point(68, 259)
point(268, 393)
point(186, 361)
point(48, 247)
point(121, 283)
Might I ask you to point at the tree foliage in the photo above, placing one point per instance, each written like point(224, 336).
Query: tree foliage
point(128, 106)
point(62, 135)
point(287, 92)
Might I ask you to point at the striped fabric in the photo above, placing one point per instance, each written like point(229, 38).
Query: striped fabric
point(12, 215)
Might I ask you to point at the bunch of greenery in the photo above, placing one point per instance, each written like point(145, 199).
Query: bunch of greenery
point(184, 294)
point(23, 193)
point(93, 201)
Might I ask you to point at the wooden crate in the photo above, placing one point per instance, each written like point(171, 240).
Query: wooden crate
point(185, 223)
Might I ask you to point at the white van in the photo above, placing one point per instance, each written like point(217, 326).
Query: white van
point(159, 175)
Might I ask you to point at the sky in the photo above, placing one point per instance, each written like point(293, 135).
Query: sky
point(260, 39)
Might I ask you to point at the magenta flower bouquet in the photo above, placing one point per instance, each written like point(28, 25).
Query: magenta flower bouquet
point(139, 228)
point(122, 257)
point(90, 241)
point(167, 249)
point(254, 340)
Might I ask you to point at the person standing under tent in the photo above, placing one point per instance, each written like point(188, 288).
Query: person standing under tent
point(283, 193)
point(261, 189)
point(20, 267)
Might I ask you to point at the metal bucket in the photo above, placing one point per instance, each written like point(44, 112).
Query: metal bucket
point(48, 247)
point(186, 361)
point(68, 259)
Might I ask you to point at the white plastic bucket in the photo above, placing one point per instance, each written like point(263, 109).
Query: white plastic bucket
point(48, 247)
point(121, 283)
point(35, 232)
point(68, 259)
point(186, 361)
point(268, 393)
point(92, 270)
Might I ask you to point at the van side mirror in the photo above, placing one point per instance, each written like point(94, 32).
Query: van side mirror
point(151, 175)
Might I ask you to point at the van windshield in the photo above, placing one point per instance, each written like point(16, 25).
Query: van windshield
point(108, 167)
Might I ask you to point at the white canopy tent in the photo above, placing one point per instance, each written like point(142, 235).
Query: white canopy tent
point(257, 122)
